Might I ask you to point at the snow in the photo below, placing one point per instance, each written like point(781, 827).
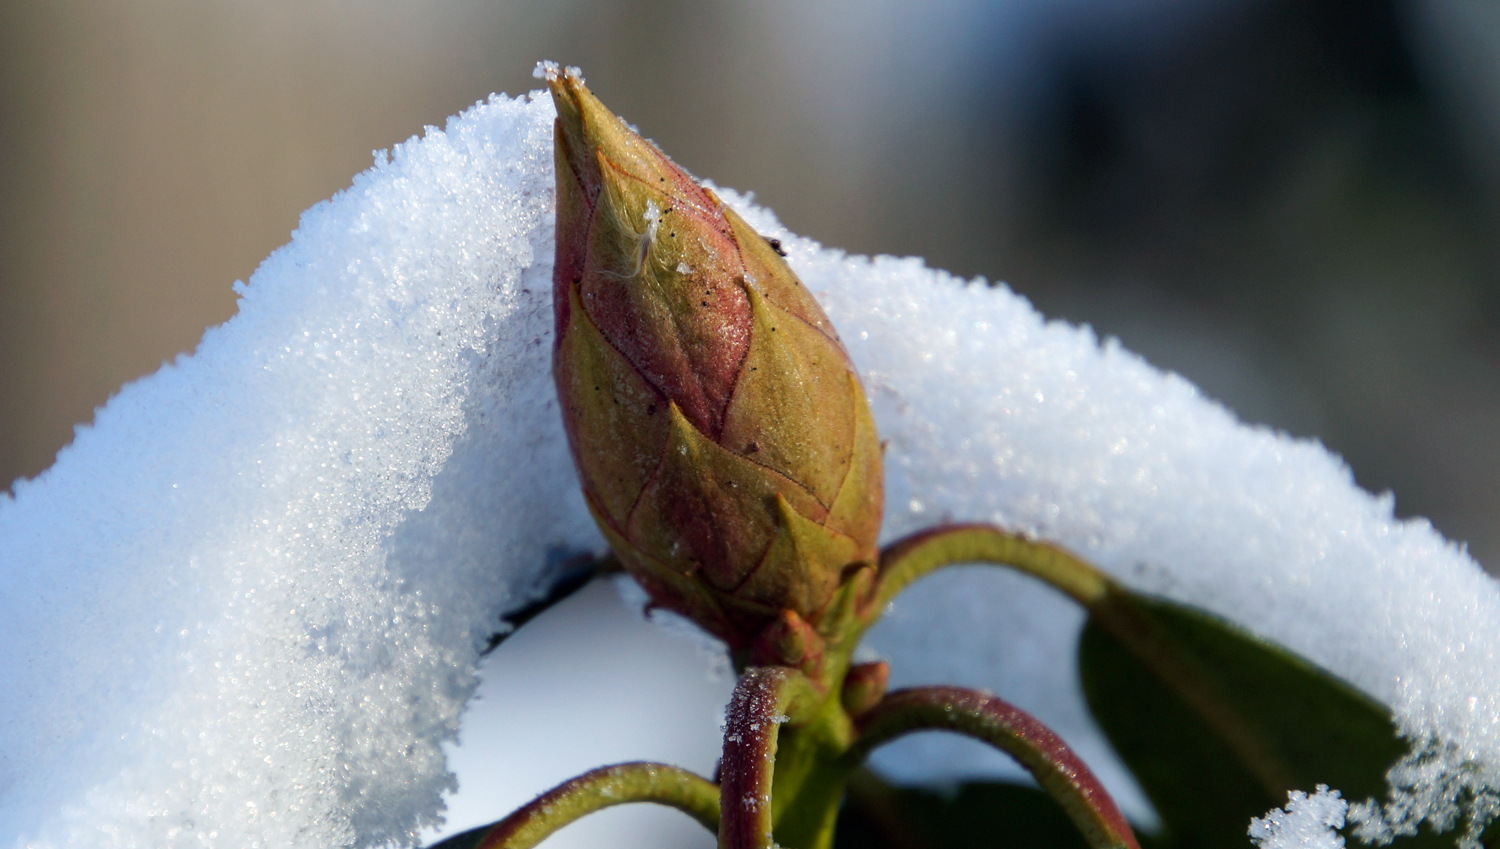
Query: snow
point(1307, 822)
point(995, 414)
point(583, 706)
point(244, 606)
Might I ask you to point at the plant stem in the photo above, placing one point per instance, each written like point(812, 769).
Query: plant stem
point(1056, 768)
point(1116, 608)
point(604, 788)
point(798, 801)
point(810, 774)
point(926, 551)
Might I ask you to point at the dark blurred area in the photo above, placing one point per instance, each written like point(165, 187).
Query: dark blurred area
point(1291, 202)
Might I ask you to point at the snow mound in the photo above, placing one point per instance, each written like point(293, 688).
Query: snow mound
point(244, 607)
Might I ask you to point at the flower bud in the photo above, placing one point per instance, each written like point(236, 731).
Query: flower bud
point(722, 438)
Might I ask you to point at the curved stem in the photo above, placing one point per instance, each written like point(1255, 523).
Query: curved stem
point(1117, 609)
point(915, 556)
point(1056, 768)
point(603, 788)
point(761, 703)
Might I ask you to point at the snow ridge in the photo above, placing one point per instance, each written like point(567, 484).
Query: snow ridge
point(244, 607)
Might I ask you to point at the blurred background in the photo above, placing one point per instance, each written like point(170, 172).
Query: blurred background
point(1291, 202)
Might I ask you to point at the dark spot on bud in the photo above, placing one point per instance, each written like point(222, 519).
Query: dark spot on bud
point(650, 409)
point(752, 448)
point(776, 246)
point(704, 303)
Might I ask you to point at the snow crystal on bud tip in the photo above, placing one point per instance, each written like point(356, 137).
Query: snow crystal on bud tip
point(1307, 822)
point(550, 70)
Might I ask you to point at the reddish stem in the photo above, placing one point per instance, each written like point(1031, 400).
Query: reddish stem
point(1057, 769)
point(756, 712)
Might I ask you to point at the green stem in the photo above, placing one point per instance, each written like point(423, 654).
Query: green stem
point(1111, 605)
point(1056, 768)
point(926, 551)
point(603, 788)
point(810, 774)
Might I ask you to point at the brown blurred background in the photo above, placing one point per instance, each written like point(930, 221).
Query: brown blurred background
point(1294, 203)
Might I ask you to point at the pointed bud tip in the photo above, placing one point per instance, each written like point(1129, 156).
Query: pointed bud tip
point(585, 127)
point(552, 72)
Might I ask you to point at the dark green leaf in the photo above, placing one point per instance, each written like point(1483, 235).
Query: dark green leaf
point(1313, 728)
point(978, 815)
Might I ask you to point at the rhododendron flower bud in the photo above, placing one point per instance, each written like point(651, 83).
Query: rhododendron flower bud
point(723, 440)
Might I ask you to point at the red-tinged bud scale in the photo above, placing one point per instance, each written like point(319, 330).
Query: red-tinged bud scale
point(721, 435)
